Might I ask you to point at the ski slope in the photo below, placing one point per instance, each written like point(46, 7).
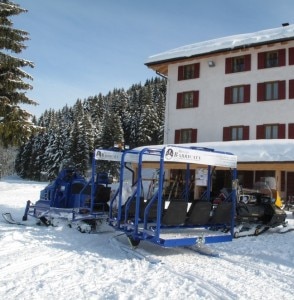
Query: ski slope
point(39, 262)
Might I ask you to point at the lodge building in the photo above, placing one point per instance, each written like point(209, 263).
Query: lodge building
point(233, 91)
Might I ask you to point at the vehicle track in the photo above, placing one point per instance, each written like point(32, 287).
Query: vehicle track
point(194, 270)
point(166, 266)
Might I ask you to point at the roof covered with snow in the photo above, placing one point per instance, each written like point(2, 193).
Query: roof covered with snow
point(225, 44)
point(257, 150)
point(274, 151)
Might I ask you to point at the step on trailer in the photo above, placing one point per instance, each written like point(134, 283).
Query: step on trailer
point(169, 219)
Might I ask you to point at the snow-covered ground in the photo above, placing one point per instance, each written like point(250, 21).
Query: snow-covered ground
point(39, 262)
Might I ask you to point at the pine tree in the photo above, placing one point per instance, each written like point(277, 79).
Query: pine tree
point(15, 124)
point(135, 117)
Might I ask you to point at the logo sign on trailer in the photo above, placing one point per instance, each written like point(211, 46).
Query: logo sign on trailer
point(177, 154)
point(107, 155)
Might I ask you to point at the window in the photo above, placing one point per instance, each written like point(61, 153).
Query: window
point(271, 59)
point(274, 90)
point(238, 64)
point(271, 131)
point(190, 71)
point(271, 90)
point(188, 99)
point(188, 135)
point(237, 94)
point(236, 133)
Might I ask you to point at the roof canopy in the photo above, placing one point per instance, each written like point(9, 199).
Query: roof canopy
point(188, 154)
point(251, 151)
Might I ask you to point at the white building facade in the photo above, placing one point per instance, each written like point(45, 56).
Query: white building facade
point(235, 88)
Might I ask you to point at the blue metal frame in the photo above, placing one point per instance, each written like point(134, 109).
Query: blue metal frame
point(137, 229)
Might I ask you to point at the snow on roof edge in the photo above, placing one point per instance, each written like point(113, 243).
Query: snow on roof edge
point(273, 150)
point(225, 43)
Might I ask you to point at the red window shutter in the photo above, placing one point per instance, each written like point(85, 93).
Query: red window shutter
point(247, 61)
point(291, 131)
point(227, 134)
point(260, 63)
point(194, 136)
point(177, 136)
point(228, 65)
point(282, 89)
point(282, 57)
point(291, 56)
point(247, 93)
point(179, 100)
point(195, 98)
point(228, 95)
point(197, 70)
point(259, 132)
point(282, 131)
point(291, 88)
point(245, 132)
point(180, 72)
point(260, 91)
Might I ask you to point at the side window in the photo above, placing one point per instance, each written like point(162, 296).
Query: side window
point(272, 59)
point(188, 135)
point(188, 99)
point(271, 131)
point(238, 64)
point(237, 94)
point(272, 90)
point(236, 133)
point(190, 71)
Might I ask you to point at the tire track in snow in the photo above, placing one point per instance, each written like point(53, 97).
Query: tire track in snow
point(265, 273)
point(213, 289)
point(164, 266)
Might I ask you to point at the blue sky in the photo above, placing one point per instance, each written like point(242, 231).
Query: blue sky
point(81, 48)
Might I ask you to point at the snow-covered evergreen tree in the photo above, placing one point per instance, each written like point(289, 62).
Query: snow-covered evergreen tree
point(77, 150)
point(134, 117)
point(54, 152)
point(15, 124)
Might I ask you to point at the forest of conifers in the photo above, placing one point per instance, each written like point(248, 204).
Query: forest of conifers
point(124, 118)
